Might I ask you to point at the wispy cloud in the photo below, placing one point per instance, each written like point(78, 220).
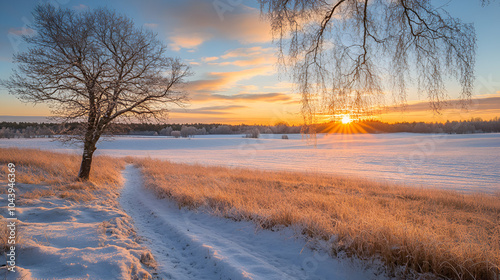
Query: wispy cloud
point(210, 110)
point(242, 24)
point(210, 58)
point(190, 41)
point(248, 62)
point(217, 81)
point(486, 102)
point(247, 52)
point(270, 97)
point(243, 57)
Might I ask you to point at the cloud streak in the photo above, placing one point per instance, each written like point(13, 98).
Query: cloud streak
point(191, 41)
point(479, 103)
point(218, 81)
point(242, 24)
point(209, 110)
point(269, 97)
point(253, 56)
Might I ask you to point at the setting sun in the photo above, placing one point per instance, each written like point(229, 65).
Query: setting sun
point(346, 119)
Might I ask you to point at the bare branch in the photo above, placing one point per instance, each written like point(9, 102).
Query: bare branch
point(345, 54)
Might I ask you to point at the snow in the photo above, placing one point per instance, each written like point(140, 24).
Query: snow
point(61, 239)
point(195, 245)
point(461, 162)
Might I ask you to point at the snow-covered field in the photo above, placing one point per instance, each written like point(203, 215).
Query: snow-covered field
point(462, 162)
point(107, 239)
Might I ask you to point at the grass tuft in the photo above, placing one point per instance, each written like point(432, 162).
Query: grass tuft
point(59, 172)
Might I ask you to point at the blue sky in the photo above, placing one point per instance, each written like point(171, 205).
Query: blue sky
point(230, 51)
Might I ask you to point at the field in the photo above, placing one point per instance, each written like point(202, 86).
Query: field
point(460, 162)
point(422, 205)
point(444, 232)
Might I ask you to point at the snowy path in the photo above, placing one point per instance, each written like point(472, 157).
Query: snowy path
point(193, 245)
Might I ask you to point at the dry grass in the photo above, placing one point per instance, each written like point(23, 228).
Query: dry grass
point(447, 233)
point(4, 236)
point(39, 166)
point(59, 171)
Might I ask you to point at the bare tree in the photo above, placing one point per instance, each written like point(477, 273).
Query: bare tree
point(343, 53)
point(95, 67)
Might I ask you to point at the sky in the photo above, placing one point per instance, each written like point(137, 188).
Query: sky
point(230, 50)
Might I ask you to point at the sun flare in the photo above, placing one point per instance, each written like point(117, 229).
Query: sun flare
point(346, 119)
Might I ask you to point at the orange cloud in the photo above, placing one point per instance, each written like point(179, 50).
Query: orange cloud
point(208, 59)
point(479, 103)
point(190, 41)
point(269, 97)
point(210, 110)
point(254, 56)
point(483, 106)
point(248, 27)
point(218, 81)
point(243, 24)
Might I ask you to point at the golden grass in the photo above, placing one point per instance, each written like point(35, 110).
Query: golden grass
point(447, 233)
point(59, 171)
point(4, 236)
point(39, 166)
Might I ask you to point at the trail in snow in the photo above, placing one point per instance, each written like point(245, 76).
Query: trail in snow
point(193, 245)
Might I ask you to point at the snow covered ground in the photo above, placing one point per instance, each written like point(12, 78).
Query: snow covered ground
point(462, 162)
point(195, 245)
point(63, 239)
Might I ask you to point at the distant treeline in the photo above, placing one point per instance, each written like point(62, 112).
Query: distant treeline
point(35, 130)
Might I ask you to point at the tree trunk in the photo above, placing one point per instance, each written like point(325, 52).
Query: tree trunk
point(88, 152)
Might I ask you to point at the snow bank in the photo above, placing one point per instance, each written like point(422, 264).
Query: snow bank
point(61, 239)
